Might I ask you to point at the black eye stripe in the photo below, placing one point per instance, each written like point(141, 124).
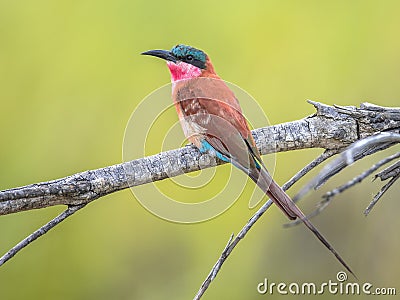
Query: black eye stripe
point(191, 59)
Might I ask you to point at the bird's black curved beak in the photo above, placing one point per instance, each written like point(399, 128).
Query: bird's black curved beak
point(164, 54)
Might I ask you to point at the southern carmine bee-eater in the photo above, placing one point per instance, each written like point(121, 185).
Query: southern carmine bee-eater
point(212, 120)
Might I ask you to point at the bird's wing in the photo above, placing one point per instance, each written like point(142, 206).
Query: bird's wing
point(233, 132)
point(209, 109)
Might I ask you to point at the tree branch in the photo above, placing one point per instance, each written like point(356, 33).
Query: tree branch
point(356, 151)
point(330, 128)
point(39, 232)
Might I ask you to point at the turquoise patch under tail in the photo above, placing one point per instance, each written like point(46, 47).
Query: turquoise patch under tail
point(206, 147)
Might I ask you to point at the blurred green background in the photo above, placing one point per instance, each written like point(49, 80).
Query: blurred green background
point(70, 77)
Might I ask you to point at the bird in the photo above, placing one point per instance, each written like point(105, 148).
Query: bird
point(212, 120)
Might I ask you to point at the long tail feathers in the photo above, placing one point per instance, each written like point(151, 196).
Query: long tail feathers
point(285, 203)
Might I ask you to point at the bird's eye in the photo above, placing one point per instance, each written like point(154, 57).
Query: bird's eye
point(189, 57)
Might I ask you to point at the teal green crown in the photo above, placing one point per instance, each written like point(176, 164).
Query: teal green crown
point(181, 51)
point(190, 55)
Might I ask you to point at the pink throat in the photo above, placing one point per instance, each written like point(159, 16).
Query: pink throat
point(182, 70)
